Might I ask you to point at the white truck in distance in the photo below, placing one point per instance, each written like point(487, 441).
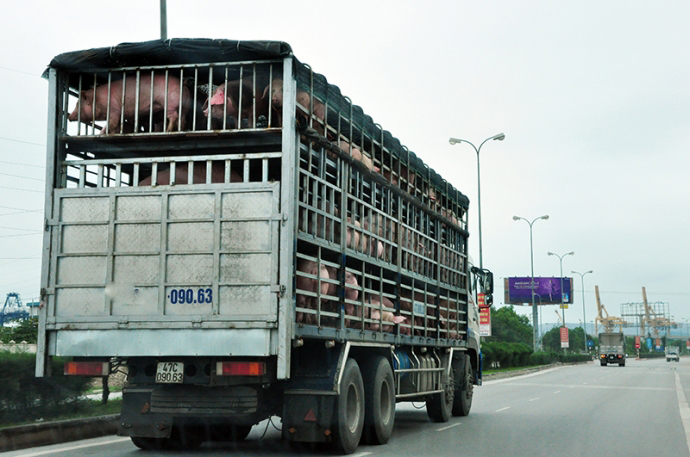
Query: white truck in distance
point(673, 354)
point(227, 227)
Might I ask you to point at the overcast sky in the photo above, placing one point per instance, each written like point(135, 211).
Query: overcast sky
point(593, 97)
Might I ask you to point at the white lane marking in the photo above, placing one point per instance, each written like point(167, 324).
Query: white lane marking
point(590, 386)
point(502, 409)
point(557, 392)
point(362, 454)
point(535, 399)
point(583, 382)
point(446, 428)
point(684, 409)
point(78, 446)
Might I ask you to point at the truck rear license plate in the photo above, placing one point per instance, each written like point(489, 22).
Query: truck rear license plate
point(170, 372)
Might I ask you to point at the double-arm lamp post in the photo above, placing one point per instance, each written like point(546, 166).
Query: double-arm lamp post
point(560, 258)
point(499, 137)
point(584, 318)
point(535, 314)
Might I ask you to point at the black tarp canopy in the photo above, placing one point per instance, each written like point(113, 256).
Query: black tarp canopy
point(184, 51)
point(176, 51)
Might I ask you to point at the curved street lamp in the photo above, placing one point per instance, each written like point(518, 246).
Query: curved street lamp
point(535, 315)
point(452, 141)
point(584, 319)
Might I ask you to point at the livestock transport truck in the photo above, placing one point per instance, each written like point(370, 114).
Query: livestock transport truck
point(245, 242)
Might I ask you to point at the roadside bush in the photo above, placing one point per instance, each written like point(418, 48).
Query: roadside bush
point(652, 355)
point(24, 397)
point(505, 354)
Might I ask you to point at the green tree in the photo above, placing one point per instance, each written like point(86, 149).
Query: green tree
point(25, 330)
point(551, 340)
point(509, 327)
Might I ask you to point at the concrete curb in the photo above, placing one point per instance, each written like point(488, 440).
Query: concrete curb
point(25, 436)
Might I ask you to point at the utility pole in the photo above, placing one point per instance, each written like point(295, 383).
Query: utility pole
point(164, 21)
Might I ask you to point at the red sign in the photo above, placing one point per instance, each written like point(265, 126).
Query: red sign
point(485, 321)
point(481, 302)
point(687, 344)
point(637, 342)
point(485, 316)
point(564, 337)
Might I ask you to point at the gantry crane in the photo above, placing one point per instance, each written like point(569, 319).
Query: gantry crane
point(652, 320)
point(13, 309)
point(608, 322)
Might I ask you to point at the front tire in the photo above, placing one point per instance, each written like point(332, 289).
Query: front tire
point(462, 399)
point(349, 410)
point(379, 401)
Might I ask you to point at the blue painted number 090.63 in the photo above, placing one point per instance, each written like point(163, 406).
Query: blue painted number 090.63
point(190, 296)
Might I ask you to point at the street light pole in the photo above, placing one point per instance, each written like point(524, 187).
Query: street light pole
point(535, 314)
point(164, 20)
point(452, 141)
point(560, 258)
point(584, 319)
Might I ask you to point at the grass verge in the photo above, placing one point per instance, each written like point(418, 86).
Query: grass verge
point(85, 409)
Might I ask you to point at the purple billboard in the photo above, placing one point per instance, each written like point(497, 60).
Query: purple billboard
point(547, 291)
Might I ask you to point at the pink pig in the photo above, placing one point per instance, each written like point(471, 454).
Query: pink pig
point(227, 97)
point(87, 110)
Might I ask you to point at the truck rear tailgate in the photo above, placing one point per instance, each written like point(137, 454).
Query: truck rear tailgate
point(164, 270)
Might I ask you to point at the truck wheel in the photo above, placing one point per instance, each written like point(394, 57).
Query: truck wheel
point(149, 444)
point(238, 433)
point(603, 364)
point(379, 401)
point(183, 439)
point(439, 406)
point(349, 410)
point(622, 364)
point(462, 398)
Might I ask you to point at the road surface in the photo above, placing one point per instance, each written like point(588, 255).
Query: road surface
point(580, 410)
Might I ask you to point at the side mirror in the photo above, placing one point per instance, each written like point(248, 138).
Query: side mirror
point(485, 284)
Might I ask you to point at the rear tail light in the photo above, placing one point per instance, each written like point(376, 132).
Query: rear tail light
point(240, 368)
point(87, 368)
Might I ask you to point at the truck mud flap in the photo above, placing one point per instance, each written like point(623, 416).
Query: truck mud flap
point(308, 418)
point(137, 419)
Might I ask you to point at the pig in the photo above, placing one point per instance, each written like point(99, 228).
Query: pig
point(357, 155)
point(302, 98)
point(226, 98)
point(314, 285)
point(384, 314)
point(199, 175)
point(396, 177)
point(88, 109)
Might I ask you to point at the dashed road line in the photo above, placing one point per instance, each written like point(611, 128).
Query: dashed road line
point(534, 399)
point(502, 409)
point(446, 428)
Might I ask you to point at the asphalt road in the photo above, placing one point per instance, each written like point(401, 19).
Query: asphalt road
point(582, 410)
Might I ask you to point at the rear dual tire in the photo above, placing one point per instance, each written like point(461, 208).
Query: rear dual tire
point(349, 410)
point(379, 401)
